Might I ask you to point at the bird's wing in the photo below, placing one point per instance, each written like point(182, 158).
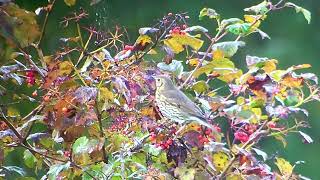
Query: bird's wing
point(178, 98)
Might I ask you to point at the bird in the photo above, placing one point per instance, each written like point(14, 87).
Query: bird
point(174, 105)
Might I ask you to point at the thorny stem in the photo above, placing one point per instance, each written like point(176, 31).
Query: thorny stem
point(250, 142)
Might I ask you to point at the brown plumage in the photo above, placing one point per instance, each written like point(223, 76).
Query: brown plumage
point(175, 105)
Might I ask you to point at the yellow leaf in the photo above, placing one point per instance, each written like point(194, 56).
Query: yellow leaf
point(106, 94)
point(284, 166)
point(270, 65)
point(65, 68)
point(70, 2)
point(220, 160)
point(177, 41)
point(152, 51)
point(290, 81)
point(12, 112)
point(217, 54)
point(143, 40)
point(194, 62)
point(252, 19)
point(282, 139)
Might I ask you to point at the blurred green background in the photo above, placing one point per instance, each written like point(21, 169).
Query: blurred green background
point(293, 41)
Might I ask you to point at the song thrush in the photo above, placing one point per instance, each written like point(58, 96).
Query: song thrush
point(176, 106)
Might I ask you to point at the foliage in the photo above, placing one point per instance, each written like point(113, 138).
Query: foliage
point(95, 116)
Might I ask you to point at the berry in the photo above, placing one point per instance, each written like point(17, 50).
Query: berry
point(208, 131)
point(170, 14)
point(46, 98)
point(241, 136)
point(169, 141)
point(64, 110)
point(187, 17)
point(67, 153)
point(271, 124)
point(35, 93)
point(184, 26)
point(30, 74)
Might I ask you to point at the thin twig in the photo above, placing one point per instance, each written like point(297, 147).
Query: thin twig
point(45, 22)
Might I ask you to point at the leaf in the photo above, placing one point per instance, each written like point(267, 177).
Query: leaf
point(177, 42)
point(261, 153)
point(70, 2)
point(263, 34)
point(15, 169)
point(305, 12)
point(284, 166)
point(84, 145)
point(239, 28)
point(18, 25)
point(220, 160)
point(226, 22)
point(147, 30)
point(175, 67)
point(282, 139)
point(200, 87)
point(229, 48)
point(196, 29)
point(29, 159)
point(211, 13)
point(55, 170)
point(306, 137)
point(185, 173)
point(261, 8)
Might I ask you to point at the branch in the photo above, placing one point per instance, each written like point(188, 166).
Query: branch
point(249, 142)
point(45, 22)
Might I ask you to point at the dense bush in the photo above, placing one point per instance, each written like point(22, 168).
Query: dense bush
point(96, 116)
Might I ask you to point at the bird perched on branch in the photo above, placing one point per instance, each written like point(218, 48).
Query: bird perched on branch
point(176, 106)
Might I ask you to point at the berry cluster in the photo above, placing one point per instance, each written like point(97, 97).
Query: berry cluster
point(31, 80)
point(177, 30)
point(162, 141)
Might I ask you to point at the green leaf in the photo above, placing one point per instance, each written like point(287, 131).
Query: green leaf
point(211, 13)
point(175, 67)
point(261, 8)
point(80, 145)
point(229, 48)
point(55, 170)
point(196, 29)
point(226, 22)
point(239, 28)
point(200, 87)
point(139, 158)
point(305, 12)
point(29, 159)
point(15, 169)
point(185, 173)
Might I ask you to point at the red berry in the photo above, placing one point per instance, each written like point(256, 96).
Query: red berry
point(30, 74)
point(128, 47)
point(46, 98)
point(208, 131)
point(169, 141)
point(241, 136)
point(66, 153)
point(35, 93)
point(205, 140)
point(170, 14)
point(64, 110)
point(184, 26)
point(187, 17)
point(272, 124)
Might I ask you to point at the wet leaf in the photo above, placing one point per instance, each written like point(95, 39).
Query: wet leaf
point(29, 159)
point(196, 29)
point(239, 28)
point(306, 137)
point(147, 30)
point(14, 169)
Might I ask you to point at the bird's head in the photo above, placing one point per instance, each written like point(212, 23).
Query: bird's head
point(164, 83)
